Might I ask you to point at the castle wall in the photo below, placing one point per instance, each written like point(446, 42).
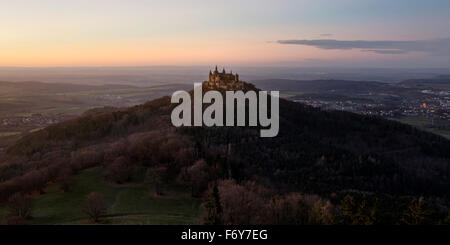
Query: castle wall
point(224, 80)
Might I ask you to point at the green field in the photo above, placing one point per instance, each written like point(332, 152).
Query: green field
point(128, 204)
point(444, 133)
point(415, 121)
point(6, 134)
point(63, 101)
point(423, 123)
point(18, 99)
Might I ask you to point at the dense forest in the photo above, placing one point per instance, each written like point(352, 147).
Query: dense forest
point(324, 167)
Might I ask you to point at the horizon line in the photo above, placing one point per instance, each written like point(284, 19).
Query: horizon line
point(243, 66)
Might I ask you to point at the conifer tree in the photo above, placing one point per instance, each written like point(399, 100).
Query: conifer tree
point(213, 208)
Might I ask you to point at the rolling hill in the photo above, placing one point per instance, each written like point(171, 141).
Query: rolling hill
point(326, 156)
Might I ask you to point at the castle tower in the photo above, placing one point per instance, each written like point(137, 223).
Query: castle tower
point(223, 80)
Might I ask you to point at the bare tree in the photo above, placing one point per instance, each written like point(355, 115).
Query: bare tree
point(120, 171)
point(19, 205)
point(94, 206)
point(34, 180)
point(198, 177)
point(66, 179)
point(158, 177)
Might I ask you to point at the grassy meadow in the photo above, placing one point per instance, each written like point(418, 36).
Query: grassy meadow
point(56, 207)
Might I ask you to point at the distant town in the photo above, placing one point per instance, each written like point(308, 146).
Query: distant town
point(36, 120)
point(435, 106)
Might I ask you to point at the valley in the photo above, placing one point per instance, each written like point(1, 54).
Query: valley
point(148, 172)
point(29, 106)
point(424, 103)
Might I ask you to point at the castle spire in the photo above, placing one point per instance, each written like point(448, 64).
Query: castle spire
point(216, 69)
point(223, 71)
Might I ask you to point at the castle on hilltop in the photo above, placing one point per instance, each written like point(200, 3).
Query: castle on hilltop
point(223, 80)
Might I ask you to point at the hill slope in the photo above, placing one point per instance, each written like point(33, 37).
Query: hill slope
point(323, 153)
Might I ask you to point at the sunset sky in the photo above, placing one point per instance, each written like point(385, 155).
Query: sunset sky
point(371, 33)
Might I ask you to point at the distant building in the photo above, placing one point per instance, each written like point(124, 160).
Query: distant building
point(223, 80)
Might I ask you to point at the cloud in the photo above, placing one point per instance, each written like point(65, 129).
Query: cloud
point(386, 51)
point(326, 35)
point(438, 47)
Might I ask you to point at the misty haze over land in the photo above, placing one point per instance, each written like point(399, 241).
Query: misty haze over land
point(162, 75)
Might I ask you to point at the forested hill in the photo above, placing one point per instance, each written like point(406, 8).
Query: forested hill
point(354, 146)
point(316, 152)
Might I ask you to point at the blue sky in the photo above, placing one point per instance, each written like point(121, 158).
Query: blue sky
point(132, 32)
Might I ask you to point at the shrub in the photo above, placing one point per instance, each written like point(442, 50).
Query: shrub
point(417, 213)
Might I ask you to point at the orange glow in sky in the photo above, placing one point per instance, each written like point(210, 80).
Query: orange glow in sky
point(200, 32)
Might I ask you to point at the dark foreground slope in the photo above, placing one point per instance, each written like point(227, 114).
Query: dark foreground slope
point(334, 156)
